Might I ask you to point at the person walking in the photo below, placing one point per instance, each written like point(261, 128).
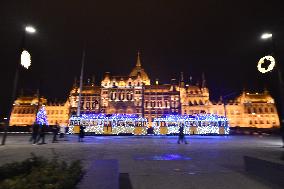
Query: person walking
point(55, 129)
point(42, 129)
point(66, 133)
point(181, 137)
point(81, 133)
point(35, 130)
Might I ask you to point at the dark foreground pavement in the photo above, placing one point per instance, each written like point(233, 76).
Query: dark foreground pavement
point(158, 162)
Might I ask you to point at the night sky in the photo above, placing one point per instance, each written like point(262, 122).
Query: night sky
point(218, 37)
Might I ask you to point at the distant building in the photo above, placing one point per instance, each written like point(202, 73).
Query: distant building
point(25, 109)
point(134, 94)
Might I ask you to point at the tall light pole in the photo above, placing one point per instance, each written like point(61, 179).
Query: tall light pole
point(25, 61)
point(269, 36)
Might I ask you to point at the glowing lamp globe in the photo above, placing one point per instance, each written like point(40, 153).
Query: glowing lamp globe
point(266, 36)
point(30, 29)
point(25, 59)
point(270, 66)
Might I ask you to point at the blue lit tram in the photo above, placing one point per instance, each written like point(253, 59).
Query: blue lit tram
point(109, 124)
point(202, 124)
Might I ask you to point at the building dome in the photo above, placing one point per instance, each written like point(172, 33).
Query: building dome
point(138, 71)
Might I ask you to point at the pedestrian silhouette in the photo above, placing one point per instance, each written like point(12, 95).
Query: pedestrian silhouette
point(55, 130)
point(81, 133)
point(42, 129)
point(35, 130)
point(66, 132)
point(181, 137)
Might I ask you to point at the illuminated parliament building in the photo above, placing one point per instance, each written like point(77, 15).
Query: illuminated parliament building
point(136, 94)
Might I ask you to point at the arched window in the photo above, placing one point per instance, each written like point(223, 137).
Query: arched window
point(254, 110)
point(129, 96)
point(121, 96)
point(200, 102)
point(265, 110)
point(249, 110)
point(272, 110)
point(146, 104)
point(112, 95)
point(260, 110)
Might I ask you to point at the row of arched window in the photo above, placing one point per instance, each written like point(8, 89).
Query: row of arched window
point(261, 110)
point(121, 96)
point(251, 122)
point(195, 103)
point(24, 111)
point(130, 84)
point(152, 104)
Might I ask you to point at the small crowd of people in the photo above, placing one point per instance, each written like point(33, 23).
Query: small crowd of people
point(39, 130)
point(38, 133)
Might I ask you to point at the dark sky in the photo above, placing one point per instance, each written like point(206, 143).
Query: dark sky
point(217, 37)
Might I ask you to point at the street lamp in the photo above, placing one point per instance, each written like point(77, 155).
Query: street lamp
point(266, 36)
point(25, 61)
point(30, 29)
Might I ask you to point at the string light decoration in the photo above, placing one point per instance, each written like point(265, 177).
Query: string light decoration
point(119, 123)
point(203, 124)
point(128, 123)
point(41, 117)
point(25, 59)
point(262, 61)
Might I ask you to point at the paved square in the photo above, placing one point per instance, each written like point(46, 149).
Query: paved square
point(158, 162)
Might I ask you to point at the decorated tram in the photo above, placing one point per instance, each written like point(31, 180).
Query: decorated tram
point(109, 124)
point(201, 124)
point(115, 124)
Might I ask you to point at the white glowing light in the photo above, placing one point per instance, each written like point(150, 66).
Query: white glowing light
point(30, 29)
point(25, 59)
point(269, 68)
point(266, 36)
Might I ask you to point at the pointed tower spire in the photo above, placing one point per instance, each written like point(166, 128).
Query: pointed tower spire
point(75, 82)
point(93, 80)
point(181, 80)
point(203, 80)
point(138, 63)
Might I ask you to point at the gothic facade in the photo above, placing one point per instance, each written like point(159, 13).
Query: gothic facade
point(134, 94)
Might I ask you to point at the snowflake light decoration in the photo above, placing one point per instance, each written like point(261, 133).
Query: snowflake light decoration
point(262, 61)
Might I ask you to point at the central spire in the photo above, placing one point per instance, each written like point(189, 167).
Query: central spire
point(138, 63)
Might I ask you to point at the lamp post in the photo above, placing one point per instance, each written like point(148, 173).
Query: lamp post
point(25, 61)
point(269, 36)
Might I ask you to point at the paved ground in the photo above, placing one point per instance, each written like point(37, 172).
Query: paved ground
point(155, 162)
